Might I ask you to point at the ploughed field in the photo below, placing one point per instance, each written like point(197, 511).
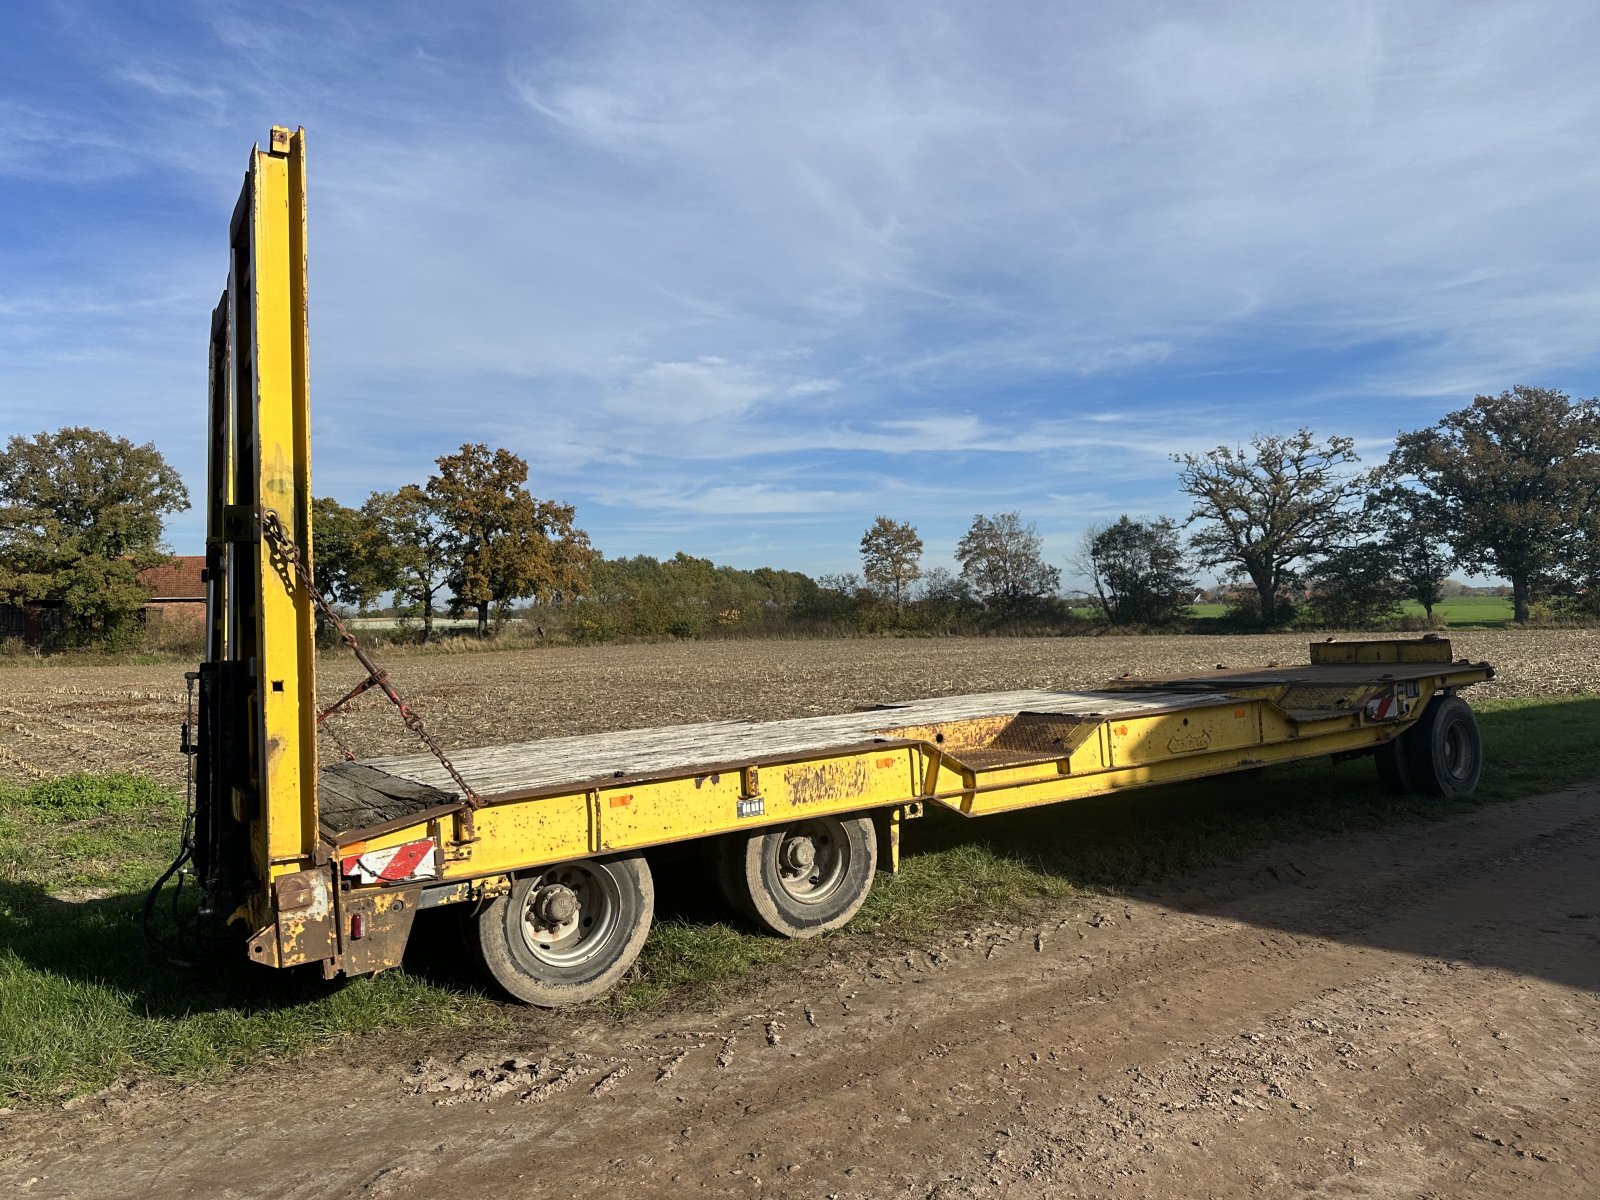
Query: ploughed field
point(59, 719)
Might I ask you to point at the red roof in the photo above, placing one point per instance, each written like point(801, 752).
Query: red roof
point(180, 580)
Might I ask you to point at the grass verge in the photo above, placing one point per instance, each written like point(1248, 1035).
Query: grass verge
point(82, 1003)
point(82, 1000)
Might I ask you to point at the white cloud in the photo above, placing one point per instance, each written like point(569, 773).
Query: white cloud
point(678, 393)
point(963, 257)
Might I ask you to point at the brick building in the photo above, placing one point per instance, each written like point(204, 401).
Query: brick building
point(177, 593)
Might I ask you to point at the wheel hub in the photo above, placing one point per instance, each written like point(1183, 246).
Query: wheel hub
point(555, 905)
point(799, 854)
point(569, 913)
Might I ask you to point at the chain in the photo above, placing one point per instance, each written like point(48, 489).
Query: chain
point(284, 546)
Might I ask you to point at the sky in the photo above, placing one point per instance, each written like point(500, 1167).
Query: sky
point(735, 278)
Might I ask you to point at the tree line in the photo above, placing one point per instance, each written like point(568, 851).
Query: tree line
point(472, 535)
point(1508, 486)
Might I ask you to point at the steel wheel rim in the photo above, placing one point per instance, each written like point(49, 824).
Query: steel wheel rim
point(811, 859)
point(572, 942)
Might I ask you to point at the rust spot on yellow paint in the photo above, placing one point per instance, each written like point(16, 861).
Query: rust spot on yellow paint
point(826, 782)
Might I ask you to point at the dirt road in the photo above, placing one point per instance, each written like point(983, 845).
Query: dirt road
point(1413, 1012)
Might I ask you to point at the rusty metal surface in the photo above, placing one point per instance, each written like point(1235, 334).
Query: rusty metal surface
point(305, 930)
point(387, 915)
point(828, 781)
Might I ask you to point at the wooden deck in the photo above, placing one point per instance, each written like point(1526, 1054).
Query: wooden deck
point(570, 763)
point(359, 796)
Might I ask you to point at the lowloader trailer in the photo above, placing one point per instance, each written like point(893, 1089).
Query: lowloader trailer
point(542, 845)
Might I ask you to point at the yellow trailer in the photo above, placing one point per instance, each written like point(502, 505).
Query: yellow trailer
point(544, 843)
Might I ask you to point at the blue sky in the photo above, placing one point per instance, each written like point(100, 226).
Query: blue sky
point(737, 277)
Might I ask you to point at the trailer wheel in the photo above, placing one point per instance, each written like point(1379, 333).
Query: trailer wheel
point(803, 878)
point(1393, 775)
point(566, 933)
point(1443, 750)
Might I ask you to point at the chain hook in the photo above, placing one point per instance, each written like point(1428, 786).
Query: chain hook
point(276, 536)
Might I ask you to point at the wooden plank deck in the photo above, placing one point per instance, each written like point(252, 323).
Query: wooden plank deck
point(354, 795)
point(570, 763)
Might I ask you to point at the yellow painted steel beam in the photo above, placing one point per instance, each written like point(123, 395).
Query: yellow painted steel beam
point(272, 443)
point(288, 628)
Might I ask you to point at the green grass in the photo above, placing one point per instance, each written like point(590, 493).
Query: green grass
point(82, 1002)
point(1467, 612)
point(1456, 612)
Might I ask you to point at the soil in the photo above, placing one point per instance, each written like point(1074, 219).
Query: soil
point(1408, 1012)
point(55, 719)
point(1411, 1012)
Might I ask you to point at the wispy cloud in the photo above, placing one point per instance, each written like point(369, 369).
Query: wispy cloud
point(741, 277)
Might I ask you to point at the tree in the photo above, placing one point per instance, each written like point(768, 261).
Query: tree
point(411, 540)
point(351, 554)
point(1279, 502)
point(502, 543)
point(1138, 571)
point(944, 602)
point(1002, 559)
point(80, 515)
point(1512, 481)
point(1356, 586)
point(1408, 526)
point(890, 551)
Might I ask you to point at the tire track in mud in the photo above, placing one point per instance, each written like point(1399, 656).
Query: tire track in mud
point(1002, 1044)
point(1355, 1011)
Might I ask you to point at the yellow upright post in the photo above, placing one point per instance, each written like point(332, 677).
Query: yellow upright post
point(285, 632)
point(263, 618)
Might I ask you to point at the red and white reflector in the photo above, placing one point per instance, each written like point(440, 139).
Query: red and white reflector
point(1383, 708)
point(411, 860)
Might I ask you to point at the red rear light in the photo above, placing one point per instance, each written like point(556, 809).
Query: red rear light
point(358, 926)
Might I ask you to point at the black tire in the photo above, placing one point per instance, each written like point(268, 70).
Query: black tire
point(1393, 775)
point(543, 955)
point(803, 878)
point(728, 854)
point(1443, 750)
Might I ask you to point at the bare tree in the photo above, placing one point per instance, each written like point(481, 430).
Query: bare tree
point(1267, 507)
